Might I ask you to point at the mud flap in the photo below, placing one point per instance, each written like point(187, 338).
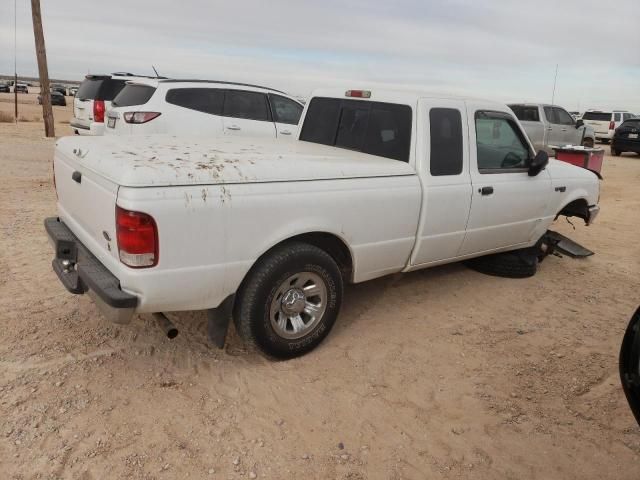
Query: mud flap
point(218, 320)
point(566, 245)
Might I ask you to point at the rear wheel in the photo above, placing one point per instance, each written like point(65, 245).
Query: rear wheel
point(289, 301)
point(615, 152)
point(605, 141)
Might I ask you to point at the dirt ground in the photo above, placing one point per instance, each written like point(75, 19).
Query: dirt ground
point(439, 374)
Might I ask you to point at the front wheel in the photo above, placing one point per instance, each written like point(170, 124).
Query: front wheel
point(289, 301)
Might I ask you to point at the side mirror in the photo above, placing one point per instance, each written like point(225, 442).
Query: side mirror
point(579, 123)
point(538, 163)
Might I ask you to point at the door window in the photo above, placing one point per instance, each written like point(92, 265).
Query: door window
point(562, 117)
point(247, 105)
point(501, 146)
point(446, 141)
point(205, 100)
point(550, 114)
point(285, 110)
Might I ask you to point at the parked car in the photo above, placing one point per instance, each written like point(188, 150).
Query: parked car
point(73, 91)
point(551, 125)
point(4, 87)
point(605, 122)
point(196, 107)
point(267, 232)
point(92, 100)
point(625, 137)
point(59, 88)
point(21, 88)
point(56, 99)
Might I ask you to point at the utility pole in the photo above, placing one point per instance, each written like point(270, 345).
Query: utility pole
point(15, 58)
point(41, 53)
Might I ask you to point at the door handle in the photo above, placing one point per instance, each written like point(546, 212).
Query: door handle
point(486, 190)
point(549, 129)
point(233, 127)
point(285, 132)
point(564, 130)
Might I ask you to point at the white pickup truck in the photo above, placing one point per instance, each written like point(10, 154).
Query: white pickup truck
point(378, 182)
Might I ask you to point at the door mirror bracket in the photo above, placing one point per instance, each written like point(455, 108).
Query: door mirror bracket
point(538, 163)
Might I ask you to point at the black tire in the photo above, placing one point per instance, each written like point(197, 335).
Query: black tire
point(252, 309)
point(605, 141)
point(614, 152)
point(588, 142)
point(516, 264)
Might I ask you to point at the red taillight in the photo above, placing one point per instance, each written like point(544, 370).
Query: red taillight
point(98, 111)
point(358, 93)
point(140, 117)
point(612, 125)
point(137, 236)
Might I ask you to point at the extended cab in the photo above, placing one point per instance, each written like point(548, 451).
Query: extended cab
point(378, 182)
point(550, 125)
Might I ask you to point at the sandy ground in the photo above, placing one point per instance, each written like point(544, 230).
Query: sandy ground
point(439, 374)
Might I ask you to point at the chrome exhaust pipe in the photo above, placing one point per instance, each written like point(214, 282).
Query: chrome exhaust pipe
point(166, 325)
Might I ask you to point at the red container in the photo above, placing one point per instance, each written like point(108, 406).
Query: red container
point(589, 158)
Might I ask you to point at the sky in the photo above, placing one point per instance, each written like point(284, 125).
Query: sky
point(504, 50)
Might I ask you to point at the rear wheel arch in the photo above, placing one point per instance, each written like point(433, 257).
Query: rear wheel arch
point(331, 243)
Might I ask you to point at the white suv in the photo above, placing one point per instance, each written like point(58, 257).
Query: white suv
point(199, 107)
point(92, 100)
point(605, 122)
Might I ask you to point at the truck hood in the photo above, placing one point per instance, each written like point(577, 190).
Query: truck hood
point(563, 170)
point(165, 160)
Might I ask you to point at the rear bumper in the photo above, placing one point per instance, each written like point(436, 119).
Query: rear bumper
point(91, 128)
point(605, 135)
point(624, 145)
point(81, 272)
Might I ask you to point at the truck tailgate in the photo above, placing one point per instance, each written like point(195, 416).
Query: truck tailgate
point(86, 204)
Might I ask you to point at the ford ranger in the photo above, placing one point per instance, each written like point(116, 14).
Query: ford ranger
point(267, 233)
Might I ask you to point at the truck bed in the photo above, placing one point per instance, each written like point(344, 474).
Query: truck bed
point(146, 161)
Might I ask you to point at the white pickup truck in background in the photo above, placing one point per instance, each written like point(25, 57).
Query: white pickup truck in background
point(551, 125)
point(378, 182)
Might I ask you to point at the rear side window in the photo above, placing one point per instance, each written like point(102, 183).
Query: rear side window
point(526, 113)
point(205, 100)
point(133, 95)
point(446, 141)
point(376, 128)
point(598, 116)
point(248, 105)
point(616, 117)
point(285, 110)
point(99, 89)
